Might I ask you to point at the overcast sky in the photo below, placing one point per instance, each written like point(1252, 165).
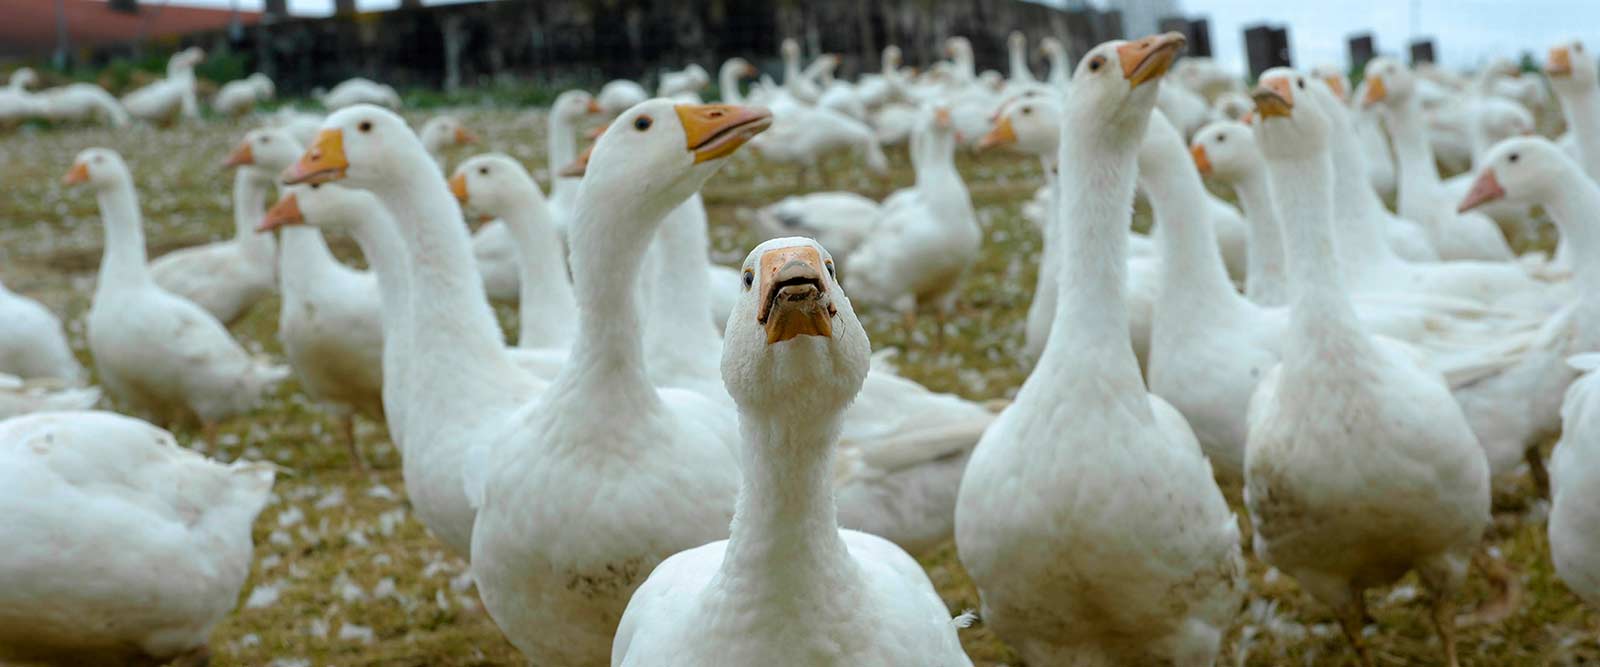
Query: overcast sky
point(1466, 32)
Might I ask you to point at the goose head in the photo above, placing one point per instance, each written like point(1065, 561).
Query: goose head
point(1522, 170)
point(1333, 77)
point(573, 106)
point(326, 206)
point(660, 152)
point(493, 185)
point(793, 344)
point(263, 85)
point(1498, 118)
point(790, 50)
point(24, 78)
point(891, 57)
point(442, 131)
point(265, 151)
point(361, 146)
point(992, 80)
point(1289, 120)
point(185, 60)
point(1226, 150)
point(1115, 86)
point(1388, 82)
point(1051, 46)
point(1570, 67)
point(958, 49)
point(1017, 41)
point(1030, 124)
point(101, 168)
point(738, 69)
point(1232, 105)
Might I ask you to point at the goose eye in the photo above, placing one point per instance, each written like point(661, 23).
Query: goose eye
point(266, 140)
point(1512, 158)
point(1221, 138)
point(1027, 110)
point(829, 265)
point(316, 186)
point(483, 170)
point(642, 123)
point(749, 278)
point(1302, 83)
point(365, 126)
point(1095, 63)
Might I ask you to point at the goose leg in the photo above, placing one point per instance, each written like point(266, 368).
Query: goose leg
point(1507, 587)
point(348, 422)
point(199, 657)
point(1541, 476)
point(1352, 616)
point(1444, 576)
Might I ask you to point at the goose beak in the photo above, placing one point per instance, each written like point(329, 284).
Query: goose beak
point(578, 166)
point(285, 212)
point(458, 187)
point(794, 296)
point(325, 161)
point(941, 117)
point(1249, 118)
point(750, 70)
point(1484, 190)
point(593, 107)
point(1273, 98)
point(465, 136)
point(79, 173)
point(713, 131)
point(1376, 91)
point(1002, 134)
point(1560, 62)
point(1336, 84)
point(1202, 163)
point(1148, 59)
point(241, 155)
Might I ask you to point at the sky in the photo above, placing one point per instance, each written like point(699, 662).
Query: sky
point(1466, 32)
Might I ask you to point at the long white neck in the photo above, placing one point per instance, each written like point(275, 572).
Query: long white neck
point(681, 342)
point(123, 261)
point(386, 255)
point(1575, 208)
point(1060, 72)
point(1358, 213)
point(1582, 109)
point(728, 85)
point(305, 263)
point(937, 178)
point(1192, 272)
point(791, 70)
point(547, 310)
point(561, 151)
point(250, 189)
point(965, 70)
point(1019, 64)
point(784, 545)
point(1266, 280)
point(1419, 175)
point(1320, 311)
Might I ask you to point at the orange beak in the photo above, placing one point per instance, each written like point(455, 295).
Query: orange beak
point(1336, 84)
point(1249, 118)
point(578, 166)
point(458, 187)
point(285, 212)
point(1149, 58)
point(794, 295)
point(465, 136)
point(1002, 134)
point(1484, 190)
point(241, 155)
point(713, 131)
point(1201, 161)
point(325, 161)
point(1376, 91)
point(1274, 98)
point(594, 106)
point(1560, 62)
point(79, 173)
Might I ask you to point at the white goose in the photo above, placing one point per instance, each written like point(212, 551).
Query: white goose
point(1392, 87)
point(76, 102)
point(691, 80)
point(1060, 70)
point(239, 97)
point(555, 569)
point(1572, 74)
point(443, 132)
point(330, 320)
point(1575, 479)
point(840, 220)
point(1164, 577)
point(733, 71)
point(32, 343)
point(751, 599)
point(357, 90)
point(20, 397)
point(1227, 151)
point(1347, 423)
point(155, 351)
point(172, 97)
point(228, 277)
point(458, 387)
point(123, 548)
point(618, 96)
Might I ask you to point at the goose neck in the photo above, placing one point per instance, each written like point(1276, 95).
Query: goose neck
point(1358, 212)
point(307, 264)
point(386, 256)
point(250, 190)
point(1192, 270)
point(1019, 64)
point(1265, 280)
point(548, 312)
point(1419, 177)
point(728, 86)
point(784, 540)
point(124, 260)
point(1575, 207)
point(679, 336)
point(1582, 109)
point(1317, 294)
point(561, 151)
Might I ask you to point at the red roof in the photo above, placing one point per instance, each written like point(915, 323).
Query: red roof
point(28, 27)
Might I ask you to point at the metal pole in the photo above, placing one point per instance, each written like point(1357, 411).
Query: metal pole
point(61, 35)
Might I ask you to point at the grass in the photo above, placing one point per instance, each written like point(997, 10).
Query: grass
point(344, 575)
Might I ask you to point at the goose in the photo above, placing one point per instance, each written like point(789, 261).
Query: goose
point(1574, 506)
point(498, 186)
point(1490, 120)
point(301, 125)
point(457, 384)
point(172, 97)
point(1017, 50)
point(1512, 412)
point(618, 96)
point(651, 159)
point(1060, 70)
point(1164, 577)
point(1369, 135)
point(227, 277)
point(32, 343)
point(749, 599)
point(442, 132)
point(1226, 151)
point(124, 548)
point(1391, 88)
point(357, 90)
point(239, 97)
point(19, 396)
point(838, 95)
point(1231, 106)
point(921, 248)
point(806, 136)
point(155, 351)
point(17, 103)
point(733, 71)
point(77, 102)
point(795, 83)
point(329, 320)
point(691, 79)
point(874, 90)
point(1572, 74)
point(492, 245)
point(1346, 422)
point(840, 220)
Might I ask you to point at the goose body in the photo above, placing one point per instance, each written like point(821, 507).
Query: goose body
point(837, 220)
point(78, 102)
point(618, 96)
point(32, 343)
point(20, 397)
point(169, 98)
point(240, 96)
point(748, 599)
point(124, 548)
point(155, 351)
point(357, 90)
point(1574, 476)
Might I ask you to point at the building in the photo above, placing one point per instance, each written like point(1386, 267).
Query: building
point(31, 28)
